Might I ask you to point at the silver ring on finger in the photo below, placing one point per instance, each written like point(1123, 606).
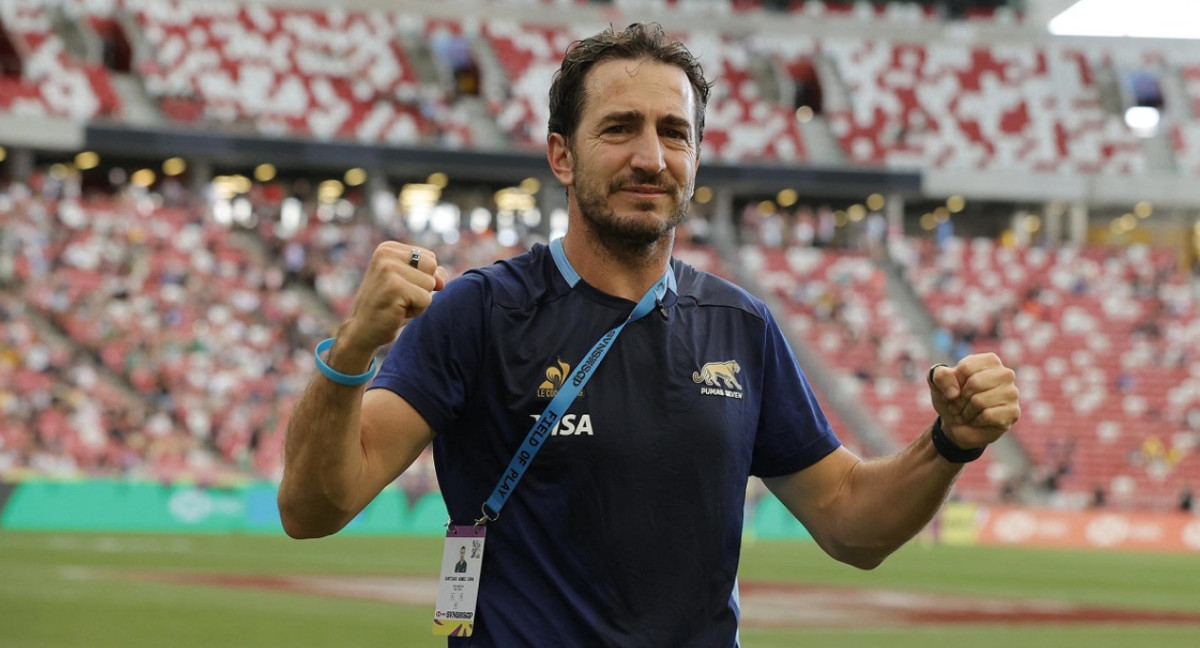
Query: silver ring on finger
point(416, 257)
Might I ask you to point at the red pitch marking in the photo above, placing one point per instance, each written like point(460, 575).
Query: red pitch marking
point(764, 605)
point(787, 605)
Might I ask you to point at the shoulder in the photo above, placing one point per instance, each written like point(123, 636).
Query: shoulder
point(703, 289)
point(516, 281)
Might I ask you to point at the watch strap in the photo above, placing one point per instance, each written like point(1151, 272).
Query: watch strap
point(949, 450)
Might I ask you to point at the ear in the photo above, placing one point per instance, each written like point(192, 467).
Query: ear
point(562, 163)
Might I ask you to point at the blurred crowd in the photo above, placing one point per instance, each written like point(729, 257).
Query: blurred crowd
point(165, 334)
point(142, 337)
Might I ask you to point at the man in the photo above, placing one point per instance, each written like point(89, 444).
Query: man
point(625, 529)
point(460, 567)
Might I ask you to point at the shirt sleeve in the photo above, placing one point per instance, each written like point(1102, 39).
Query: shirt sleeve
point(434, 362)
point(793, 432)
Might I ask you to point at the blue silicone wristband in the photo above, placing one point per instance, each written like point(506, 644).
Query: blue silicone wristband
point(337, 376)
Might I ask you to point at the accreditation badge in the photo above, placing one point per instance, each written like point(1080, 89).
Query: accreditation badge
point(459, 583)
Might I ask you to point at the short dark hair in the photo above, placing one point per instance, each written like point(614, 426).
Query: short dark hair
point(639, 41)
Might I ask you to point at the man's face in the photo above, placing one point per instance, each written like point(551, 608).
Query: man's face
point(462, 553)
point(634, 152)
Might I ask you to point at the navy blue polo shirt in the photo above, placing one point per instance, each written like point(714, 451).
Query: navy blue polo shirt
point(626, 529)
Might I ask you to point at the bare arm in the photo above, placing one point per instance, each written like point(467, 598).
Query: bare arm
point(861, 511)
point(343, 447)
point(345, 444)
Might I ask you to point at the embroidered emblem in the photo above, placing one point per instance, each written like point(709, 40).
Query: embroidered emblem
point(556, 375)
point(719, 379)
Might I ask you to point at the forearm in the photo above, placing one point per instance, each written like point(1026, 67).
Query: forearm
point(340, 453)
point(862, 511)
point(323, 455)
point(885, 502)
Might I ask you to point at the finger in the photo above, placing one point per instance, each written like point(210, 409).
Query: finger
point(416, 276)
point(974, 374)
point(987, 379)
point(944, 382)
point(442, 278)
point(425, 259)
point(416, 257)
point(975, 363)
point(395, 283)
point(1000, 417)
point(985, 400)
point(424, 262)
point(397, 259)
point(414, 299)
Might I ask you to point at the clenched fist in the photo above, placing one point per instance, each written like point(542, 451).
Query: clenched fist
point(394, 290)
point(977, 399)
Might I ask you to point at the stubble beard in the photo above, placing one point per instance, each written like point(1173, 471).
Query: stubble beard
point(631, 236)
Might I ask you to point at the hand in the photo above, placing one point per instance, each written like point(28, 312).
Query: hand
point(977, 400)
point(392, 292)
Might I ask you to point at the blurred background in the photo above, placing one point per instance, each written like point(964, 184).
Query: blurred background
point(190, 190)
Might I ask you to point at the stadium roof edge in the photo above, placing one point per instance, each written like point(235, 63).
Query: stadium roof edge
point(1168, 190)
point(42, 133)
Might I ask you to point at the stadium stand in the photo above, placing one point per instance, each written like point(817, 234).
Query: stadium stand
point(60, 417)
point(331, 257)
point(175, 339)
point(836, 300)
point(190, 316)
point(1103, 342)
point(321, 73)
point(334, 73)
point(959, 105)
point(166, 301)
point(40, 78)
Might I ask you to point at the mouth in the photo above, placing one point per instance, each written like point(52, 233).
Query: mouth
point(643, 191)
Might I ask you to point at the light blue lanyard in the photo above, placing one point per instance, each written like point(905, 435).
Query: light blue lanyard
point(570, 389)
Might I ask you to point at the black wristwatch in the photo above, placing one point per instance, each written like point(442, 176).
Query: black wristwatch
point(949, 451)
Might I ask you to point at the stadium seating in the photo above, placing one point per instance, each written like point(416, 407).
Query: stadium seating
point(167, 302)
point(198, 322)
point(323, 73)
point(333, 73)
point(1102, 341)
point(179, 342)
point(836, 300)
point(332, 256)
point(528, 55)
point(58, 416)
point(740, 125)
point(976, 107)
point(51, 83)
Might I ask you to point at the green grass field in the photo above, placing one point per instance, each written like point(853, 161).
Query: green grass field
point(60, 591)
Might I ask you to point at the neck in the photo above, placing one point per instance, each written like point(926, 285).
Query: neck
point(617, 270)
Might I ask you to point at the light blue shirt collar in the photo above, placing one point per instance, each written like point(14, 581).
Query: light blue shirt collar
point(572, 277)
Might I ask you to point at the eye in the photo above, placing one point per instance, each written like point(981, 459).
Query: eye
point(675, 133)
point(616, 129)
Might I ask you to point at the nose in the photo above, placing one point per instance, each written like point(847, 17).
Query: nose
point(648, 155)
